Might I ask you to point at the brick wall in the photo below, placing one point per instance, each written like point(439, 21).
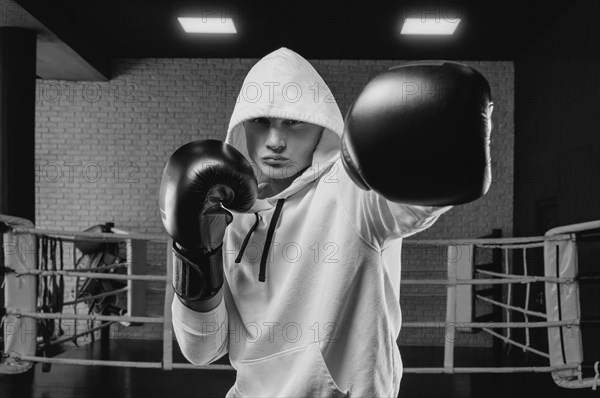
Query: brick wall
point(101, 148)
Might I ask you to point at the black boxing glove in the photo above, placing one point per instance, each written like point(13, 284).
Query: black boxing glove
point(419, 134)
point(201, 180)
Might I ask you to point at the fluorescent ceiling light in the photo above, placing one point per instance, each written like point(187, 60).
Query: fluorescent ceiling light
point(433, 26)
point(207, 25)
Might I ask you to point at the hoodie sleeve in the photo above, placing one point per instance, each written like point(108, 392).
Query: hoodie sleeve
point(202, 336)
point(377, 220)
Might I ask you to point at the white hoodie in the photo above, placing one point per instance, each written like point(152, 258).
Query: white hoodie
point(324, 322)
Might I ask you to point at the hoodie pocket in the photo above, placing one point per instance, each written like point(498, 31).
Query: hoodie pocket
point(298, 372)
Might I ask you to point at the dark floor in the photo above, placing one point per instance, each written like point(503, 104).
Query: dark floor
point(69, 381)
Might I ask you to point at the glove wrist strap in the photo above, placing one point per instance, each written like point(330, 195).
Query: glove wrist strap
point(197, 277)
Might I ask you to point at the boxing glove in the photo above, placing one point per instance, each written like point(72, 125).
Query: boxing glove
point(419, 134)
point(201, 180)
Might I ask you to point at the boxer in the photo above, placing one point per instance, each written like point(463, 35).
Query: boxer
point(288, 235)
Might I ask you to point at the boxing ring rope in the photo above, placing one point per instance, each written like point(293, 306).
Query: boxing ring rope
point(525, 347)
point(546, 324)
point(94, 275)
point(95, 296)
point(123, 318)
point(512, 280)
point(565, 374)
point(74, 236)
point(75, 336)
point(512, 307)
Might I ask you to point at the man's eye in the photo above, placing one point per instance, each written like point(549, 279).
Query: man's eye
point(291, 122)
point(260, 120)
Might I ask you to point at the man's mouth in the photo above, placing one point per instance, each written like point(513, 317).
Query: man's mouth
point(274, 160)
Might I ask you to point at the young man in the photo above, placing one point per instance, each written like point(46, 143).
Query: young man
point(304, 292)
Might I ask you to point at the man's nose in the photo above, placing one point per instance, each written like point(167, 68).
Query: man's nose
point(275, 140)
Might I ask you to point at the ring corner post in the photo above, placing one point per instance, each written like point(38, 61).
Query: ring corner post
point(20, 294)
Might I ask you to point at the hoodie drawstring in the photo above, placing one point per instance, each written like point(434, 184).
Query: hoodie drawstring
point(267, 247)
point(246, 239)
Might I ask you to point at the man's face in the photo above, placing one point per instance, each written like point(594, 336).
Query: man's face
point(281, 147)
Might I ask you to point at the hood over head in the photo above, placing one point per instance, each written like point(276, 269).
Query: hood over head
point(285, 85)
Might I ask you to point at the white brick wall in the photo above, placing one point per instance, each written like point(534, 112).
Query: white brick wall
point(101, 149)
